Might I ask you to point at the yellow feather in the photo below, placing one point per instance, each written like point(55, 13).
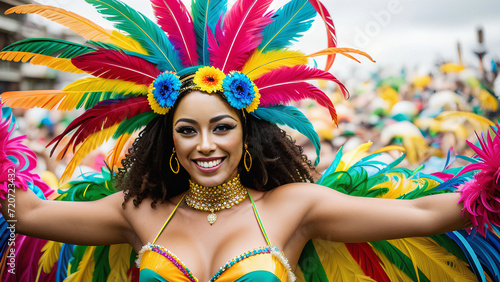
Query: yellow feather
point(91, 143)
point(77, 89)
point(487, 101)
point(50, 255)
point(113, 158)
point(477, 120)
point(60, 64)
point(342, 51)
point(119, 262)
point(433, 260)
point(351, 157)
point(80, 25)
point(45, 99)
point(389, 148)
point(85, 268)
point(261, 63)
point(99, 84)
point(338, 263)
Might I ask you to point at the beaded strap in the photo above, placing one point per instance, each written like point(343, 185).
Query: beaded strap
point(258, 251)
point(168, 255)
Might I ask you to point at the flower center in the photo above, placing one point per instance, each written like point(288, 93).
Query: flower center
point(239, 88)
point(210, 79)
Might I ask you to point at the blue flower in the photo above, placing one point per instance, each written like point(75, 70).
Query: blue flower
point(239, 90)
point(166, 89)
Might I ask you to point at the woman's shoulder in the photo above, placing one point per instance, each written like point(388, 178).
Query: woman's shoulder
point(293, 192)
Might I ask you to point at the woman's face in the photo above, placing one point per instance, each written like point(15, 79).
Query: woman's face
point(208, 138)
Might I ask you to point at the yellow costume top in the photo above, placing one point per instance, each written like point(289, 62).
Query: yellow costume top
point(261, 264)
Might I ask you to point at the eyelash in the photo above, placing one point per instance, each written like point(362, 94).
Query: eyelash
point(221, 127)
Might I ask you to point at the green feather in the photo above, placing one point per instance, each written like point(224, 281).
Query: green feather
point(101, 262)
point(78, 254)
point(49, 47)
point(134, 123)
point(446, 242)
point(151, 37)
point(310, 264)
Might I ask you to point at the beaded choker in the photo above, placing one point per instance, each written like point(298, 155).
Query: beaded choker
point(215, 198)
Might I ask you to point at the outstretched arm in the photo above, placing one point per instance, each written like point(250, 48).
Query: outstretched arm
point(98, 222)
point(331, 215)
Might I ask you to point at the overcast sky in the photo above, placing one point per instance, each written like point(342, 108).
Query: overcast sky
point(397, 33)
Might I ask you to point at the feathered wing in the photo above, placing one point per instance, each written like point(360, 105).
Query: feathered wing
point(80, 25)
point(147, 33)
point(205, 15)
point(293, 118)
point(242, 26)
point(175, 20)
point(436, 258)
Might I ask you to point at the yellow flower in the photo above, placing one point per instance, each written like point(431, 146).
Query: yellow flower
point(255, 101)
point(154, 104)
point(209, 79)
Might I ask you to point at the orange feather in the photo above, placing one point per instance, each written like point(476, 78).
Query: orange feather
point(80, 25)
point(60, 64)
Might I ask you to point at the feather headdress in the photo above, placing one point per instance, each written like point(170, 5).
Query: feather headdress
point(246, 44)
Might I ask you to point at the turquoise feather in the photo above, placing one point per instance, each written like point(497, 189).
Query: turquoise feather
point(65, 255)
point(160, 50)
point(289, 22)
point(292, 117)
point(205, 13)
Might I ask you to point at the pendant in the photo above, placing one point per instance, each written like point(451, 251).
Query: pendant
point(212, 218)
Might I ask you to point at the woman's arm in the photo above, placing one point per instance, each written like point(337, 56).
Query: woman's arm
point(98, 222)
point(331, 215)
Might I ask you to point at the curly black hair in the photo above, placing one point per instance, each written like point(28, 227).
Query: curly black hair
point(146, 172)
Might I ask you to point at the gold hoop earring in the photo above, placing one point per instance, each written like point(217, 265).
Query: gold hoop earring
point(176, 160)
point(247, 167)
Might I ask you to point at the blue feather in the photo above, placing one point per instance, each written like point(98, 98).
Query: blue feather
point(292, 117)
point(4, 233)
point(205, 13)
point(142, 29)
point(289, 22)
point(474, 262)
point(62, 264)
point(488, 256)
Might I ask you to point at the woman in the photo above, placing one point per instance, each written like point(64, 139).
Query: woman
point(204, 127)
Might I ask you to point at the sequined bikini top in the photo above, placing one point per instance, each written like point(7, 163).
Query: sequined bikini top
point(267, 263)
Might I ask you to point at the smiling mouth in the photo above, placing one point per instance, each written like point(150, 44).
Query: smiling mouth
point(209, 164)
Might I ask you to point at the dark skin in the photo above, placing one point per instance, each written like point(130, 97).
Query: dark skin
point(320, 213)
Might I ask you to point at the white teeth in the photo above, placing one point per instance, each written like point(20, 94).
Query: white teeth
point(209, 164)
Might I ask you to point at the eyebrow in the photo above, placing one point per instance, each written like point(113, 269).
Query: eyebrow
point(212, 120)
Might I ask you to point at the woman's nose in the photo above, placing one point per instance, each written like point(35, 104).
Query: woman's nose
point(206, 143)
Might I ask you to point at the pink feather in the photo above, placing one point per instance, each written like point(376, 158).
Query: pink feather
point(28, 251)
point(176, 21)
point(114, 64)
point(17, 173)
point(241, 34)
point(330, 29)
point(101, 116)
point(287, 84)
point(481, 196)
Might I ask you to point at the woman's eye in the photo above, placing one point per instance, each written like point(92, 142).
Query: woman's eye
point(223, 127)
point(186, 130)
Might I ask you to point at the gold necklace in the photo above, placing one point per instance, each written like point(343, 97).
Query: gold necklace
point(214, 199)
